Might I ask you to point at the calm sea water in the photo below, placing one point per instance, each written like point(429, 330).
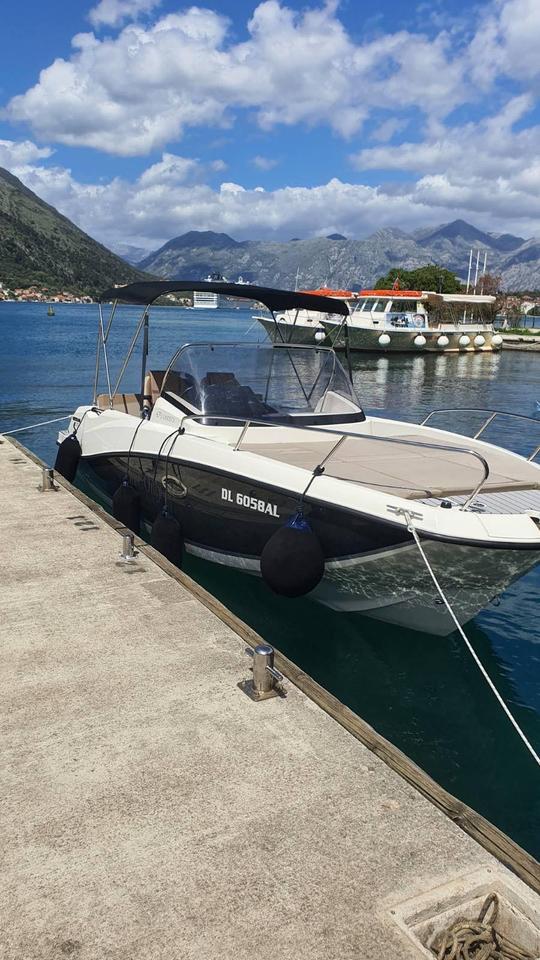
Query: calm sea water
point(423, 693)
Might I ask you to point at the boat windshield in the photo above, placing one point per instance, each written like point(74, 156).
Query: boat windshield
point(275, 382)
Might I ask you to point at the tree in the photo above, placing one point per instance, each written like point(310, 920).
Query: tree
point(490, 284)
point(430, 277)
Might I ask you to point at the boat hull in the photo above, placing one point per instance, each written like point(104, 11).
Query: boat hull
point(297, 333)
point(371, 566)
point(403, 340)
point(366, 339)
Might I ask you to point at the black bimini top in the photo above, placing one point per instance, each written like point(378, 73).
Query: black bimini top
point(146, 292)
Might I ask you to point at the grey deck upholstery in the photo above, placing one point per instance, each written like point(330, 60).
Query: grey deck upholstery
point(406, 471)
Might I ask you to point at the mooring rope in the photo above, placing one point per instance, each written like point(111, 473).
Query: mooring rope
point(478, 939)
point(487, 678)
point(32, 426)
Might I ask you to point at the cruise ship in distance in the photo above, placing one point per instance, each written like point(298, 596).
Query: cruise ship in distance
point(208, 300)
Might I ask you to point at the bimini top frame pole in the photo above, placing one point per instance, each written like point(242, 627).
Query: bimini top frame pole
point(102, 338)
point(147, 292)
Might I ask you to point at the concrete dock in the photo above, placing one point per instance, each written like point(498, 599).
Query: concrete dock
point(516, 341)
point(149, 808)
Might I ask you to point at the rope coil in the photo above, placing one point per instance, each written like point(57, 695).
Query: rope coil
point(478, 940)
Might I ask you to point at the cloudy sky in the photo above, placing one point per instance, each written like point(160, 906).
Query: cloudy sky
point(142, 119)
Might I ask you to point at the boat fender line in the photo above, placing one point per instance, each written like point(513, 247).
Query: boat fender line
point(483, 671)
point(292, 561)
point(166, 535)
point(126, 501)
point(178, 431)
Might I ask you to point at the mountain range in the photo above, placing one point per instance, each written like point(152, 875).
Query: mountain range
point(38, 245)
point(340, 262)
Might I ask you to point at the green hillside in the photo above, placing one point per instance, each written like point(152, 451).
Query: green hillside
point(38, 245)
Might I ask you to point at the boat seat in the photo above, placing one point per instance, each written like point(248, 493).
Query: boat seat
point(404, 471)
point(153, 384)
point(126, 402)
point(183, 385)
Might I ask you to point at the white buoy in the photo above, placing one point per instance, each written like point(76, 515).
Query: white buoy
point(384, 339)
point(443, 341)
point(479, 340)
point(420, 340)
point(497, 340)
point(319, 335)
point(464, 340)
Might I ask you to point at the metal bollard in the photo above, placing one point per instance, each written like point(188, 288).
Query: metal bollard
point(47, 480)
point(265, 676)
point(129, 553)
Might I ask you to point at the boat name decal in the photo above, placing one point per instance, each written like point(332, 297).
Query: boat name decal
point(164, 417)
point(252, 503)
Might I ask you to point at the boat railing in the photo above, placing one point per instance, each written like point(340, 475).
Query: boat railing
point(320, 468)
point(491, 416)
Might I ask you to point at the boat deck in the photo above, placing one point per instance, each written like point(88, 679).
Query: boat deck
point(411, 472)
point(514, 501)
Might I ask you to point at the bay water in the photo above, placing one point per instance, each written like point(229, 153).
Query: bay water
point(423, 693)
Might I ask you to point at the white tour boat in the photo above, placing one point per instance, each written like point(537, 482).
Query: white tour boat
point(395, 321)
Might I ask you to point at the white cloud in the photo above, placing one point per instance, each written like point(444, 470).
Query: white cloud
point(15, 153)
point(170, 198)
point(387, 129)
point(488, 167)
point(139, 90)
point(110, 13)
point(264, 163)
point(507, 42)
point(170, 169)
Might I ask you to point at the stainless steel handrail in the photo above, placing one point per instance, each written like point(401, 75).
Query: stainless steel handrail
point(492, 415)
point(345, 436)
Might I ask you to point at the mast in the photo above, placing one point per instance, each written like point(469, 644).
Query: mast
point(469, 273)
point(476, 271)
point(484, 271)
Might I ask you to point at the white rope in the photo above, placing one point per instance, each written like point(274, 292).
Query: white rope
point(513, 721)
point(31, 426)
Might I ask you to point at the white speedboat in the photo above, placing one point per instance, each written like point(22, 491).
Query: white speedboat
point(396, 321)
point(260, 457)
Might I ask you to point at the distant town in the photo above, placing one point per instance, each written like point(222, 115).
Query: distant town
point(37, 294)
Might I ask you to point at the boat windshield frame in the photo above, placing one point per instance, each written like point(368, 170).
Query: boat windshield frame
point(294, 351)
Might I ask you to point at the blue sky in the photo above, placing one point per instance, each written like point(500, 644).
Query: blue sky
point(141, 120)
